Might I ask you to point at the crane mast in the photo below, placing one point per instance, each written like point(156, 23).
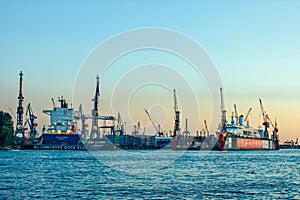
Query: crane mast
point(236, 115)
point(95, 132)
point(20, 112)
point(177, 115)
point(223, 111)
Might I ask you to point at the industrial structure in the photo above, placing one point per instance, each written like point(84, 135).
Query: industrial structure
point(19, 133)
point(239, 136)
point(30, 121)
point(68, 129)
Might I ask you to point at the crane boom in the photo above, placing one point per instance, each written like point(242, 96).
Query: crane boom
point(157, 128)
point(206, 129)
point(269, 120)
point(273, 125)
point(262, 110)
point(248, 113)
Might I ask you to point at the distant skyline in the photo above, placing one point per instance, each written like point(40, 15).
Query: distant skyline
point(255, 46)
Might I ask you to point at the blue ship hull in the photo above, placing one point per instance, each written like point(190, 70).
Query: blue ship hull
point(60, 139)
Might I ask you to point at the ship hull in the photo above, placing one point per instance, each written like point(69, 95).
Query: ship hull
point(60, 139)
point(233, 142)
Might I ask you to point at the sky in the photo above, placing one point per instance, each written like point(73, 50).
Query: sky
point(254, 45)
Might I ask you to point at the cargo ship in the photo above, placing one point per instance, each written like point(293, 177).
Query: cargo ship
point(61, 132)
point(240, 136)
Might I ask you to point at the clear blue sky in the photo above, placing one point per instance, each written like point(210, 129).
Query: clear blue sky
point(254, 44)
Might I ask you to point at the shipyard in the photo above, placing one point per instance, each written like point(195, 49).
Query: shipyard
point(158, 100)
point(68, 130)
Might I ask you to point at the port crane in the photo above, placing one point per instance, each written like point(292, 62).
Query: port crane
point(265, 119)
point(95, 132)
point(157, 127)
point(177, 115)
point(223, 111)
point(20, 111)
point(30, 120)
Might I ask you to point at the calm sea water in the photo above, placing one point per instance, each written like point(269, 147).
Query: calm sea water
point(149, 175)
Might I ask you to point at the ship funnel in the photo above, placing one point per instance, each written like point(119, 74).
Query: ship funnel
point(241, 120)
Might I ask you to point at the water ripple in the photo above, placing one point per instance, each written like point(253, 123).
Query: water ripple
point(215, 175)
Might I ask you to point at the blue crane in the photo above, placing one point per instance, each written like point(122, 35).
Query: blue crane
point(30, 120)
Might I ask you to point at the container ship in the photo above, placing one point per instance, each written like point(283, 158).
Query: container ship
point(240, 136)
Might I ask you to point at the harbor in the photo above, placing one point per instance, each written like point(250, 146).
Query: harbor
point(68, 130)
